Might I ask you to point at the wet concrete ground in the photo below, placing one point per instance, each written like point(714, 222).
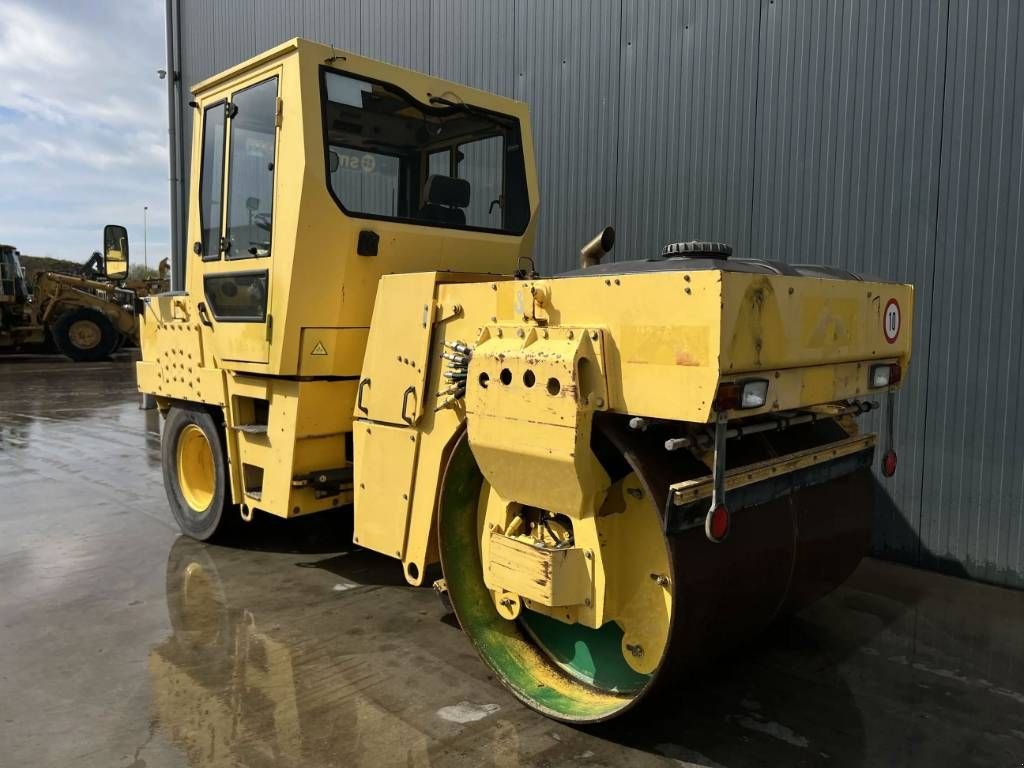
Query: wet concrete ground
point(124, 644)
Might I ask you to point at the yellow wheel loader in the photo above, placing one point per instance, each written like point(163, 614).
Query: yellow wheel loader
point(86, 316)
point(622, 471)
point(90, 316)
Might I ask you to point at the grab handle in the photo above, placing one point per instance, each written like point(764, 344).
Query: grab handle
point(405, 405)
point(204, 318)
point(363, 384)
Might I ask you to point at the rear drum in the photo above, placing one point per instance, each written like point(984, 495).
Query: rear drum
point(779, 556)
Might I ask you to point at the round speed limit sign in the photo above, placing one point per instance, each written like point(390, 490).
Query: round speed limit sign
point(891, 321)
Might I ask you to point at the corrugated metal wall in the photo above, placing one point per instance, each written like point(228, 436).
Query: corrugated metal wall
point(974, 427)
point(885, 136)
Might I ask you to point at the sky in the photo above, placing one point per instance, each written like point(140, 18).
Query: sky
point(83, 126)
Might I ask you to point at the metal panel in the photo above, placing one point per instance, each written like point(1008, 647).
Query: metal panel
point(277, 22)
point(235, 29)
point(687, 81)
point(473, 43)
point(566, 57)
point(885, 136)
point(394, 31)
point(973, 494)
point(198, 40)
point(846, 173)
point(332, 22)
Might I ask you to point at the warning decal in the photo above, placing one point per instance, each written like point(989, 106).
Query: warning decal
point(319, 349)
point(891, 321)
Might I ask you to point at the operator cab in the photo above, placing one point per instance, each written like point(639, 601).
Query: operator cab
point(13, 285)
point(314, 167)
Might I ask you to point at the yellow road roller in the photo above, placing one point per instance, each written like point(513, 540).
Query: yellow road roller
point(622, 470)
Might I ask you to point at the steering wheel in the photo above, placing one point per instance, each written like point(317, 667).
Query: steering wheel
point(262, 220)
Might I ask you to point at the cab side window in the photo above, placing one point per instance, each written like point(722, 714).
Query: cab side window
point(211, 180)
point(481, 163)
point(442, 163)
point(251, 170)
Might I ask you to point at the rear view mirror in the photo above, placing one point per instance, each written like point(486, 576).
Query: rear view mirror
point(115, 252)
point(335, 161)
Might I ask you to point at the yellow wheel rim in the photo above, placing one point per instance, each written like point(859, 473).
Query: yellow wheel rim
point(85, 334)
point(196, 474)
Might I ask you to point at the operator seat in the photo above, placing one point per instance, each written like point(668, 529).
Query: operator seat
point(446, 198)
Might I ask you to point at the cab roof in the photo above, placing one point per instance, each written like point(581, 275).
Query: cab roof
point(338, 57)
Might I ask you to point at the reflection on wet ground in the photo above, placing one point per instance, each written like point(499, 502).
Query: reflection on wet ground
point(124, 644)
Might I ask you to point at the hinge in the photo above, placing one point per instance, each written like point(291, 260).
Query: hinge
point(270, 327)
point(278, 111)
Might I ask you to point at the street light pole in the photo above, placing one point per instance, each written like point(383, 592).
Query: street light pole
point(145, 238)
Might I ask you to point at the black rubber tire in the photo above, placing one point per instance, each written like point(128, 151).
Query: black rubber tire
point(220, 518)
point(62, 335)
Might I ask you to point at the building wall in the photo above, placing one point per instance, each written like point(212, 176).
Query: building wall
point(885, 136)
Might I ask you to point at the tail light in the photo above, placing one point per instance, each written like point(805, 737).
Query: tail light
point(733, 395)
point(885, 375)
point(889, 463)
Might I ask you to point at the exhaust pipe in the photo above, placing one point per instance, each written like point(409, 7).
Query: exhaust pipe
point(592, 253)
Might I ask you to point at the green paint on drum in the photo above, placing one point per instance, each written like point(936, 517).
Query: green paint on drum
point(527, 670)
point(592, 656)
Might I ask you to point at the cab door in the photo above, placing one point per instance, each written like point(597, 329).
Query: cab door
point(236, 201)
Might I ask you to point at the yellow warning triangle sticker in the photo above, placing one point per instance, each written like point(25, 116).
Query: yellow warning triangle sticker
point(319, 349)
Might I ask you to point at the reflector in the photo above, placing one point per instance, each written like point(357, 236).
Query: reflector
point(889, 463)
point(716, 525)
point(728, 396)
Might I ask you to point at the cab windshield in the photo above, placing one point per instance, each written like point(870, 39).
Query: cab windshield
point(444, 164)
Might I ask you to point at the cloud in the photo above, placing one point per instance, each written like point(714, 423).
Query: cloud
point(83, 124)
